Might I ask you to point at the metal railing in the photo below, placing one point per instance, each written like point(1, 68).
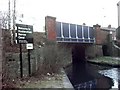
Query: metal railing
point(113, 42)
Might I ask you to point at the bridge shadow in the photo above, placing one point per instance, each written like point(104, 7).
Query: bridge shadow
point(78, 54)
point(79, 65)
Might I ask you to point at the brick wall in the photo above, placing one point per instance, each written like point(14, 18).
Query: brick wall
point(102, 36)
point(50, 27)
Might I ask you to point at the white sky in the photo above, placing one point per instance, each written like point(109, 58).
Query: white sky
point(91, 12)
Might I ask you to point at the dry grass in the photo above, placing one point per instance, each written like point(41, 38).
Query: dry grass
point(54, 58)
point(106, 60)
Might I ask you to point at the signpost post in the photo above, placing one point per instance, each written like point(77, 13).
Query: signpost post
point(24, 36)
point(29, 46)
point(21, 66)
point(29, 65)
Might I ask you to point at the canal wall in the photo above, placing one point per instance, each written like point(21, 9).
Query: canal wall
point(50, 81)
point(66, 81)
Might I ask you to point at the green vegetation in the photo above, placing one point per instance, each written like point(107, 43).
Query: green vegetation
point(46, 60)
point(106, 60)
point(54, 57)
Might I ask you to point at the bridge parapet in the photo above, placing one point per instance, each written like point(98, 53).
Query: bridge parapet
point(67, 32)
point(74, 33)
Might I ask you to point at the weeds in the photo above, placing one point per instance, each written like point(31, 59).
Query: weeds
point(54, 58)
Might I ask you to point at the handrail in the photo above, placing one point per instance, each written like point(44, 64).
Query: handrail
point(115, 45)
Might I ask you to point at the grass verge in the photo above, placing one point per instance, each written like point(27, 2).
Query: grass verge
point(106, 61)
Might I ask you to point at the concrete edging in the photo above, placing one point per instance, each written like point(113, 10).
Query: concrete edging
point(103, 64)
point(66, 81)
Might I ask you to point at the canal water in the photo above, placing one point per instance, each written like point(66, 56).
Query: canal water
point(93, 76)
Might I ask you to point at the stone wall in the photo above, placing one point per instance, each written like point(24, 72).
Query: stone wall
point(94, 51)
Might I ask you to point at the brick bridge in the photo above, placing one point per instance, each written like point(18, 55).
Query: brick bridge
point(85, 41)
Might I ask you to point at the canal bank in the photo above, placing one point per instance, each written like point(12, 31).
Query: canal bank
point(49, 81)
point(106, 61)
point(93, 76)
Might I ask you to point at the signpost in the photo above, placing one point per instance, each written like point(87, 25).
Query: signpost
point(24, 33)
point(25, 36)
point(29, 46)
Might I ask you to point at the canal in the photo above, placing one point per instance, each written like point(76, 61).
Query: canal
point(93, 76)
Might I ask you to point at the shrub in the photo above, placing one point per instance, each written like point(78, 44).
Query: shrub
point(54, 58)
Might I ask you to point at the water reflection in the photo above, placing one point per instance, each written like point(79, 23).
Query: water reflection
point(92, 76)
point(112, 73)
point(79, 72)
point(104, 82)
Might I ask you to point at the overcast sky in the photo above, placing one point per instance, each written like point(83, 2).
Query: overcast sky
point(91, 12)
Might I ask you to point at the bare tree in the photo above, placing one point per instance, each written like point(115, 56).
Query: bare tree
point(4, 19)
